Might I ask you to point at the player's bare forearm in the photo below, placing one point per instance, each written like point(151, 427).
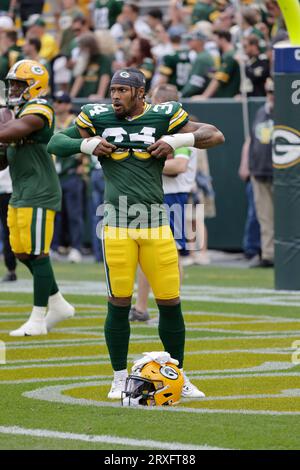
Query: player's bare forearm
point(17, 129)
point(201, 136)
point(206, 135)
point(175, 166)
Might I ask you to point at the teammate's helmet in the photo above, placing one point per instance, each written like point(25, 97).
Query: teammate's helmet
point(34, 78)
point(155, 385)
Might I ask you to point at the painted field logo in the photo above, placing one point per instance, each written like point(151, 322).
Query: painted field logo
point(2, 353)
point(296, 354)
point(286, 147)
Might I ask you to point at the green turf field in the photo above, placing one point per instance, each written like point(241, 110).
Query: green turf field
point(240, 342)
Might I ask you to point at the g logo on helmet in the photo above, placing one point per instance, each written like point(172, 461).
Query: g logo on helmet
point(124, 75)
point(169, 372)
point(286, 147)
point(37, 70)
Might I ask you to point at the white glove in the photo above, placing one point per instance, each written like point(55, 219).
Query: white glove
point(161, 357)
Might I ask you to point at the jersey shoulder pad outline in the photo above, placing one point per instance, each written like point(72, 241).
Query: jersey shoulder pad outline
point(40, 107)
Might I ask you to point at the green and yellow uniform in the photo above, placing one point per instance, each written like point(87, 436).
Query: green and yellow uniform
point(201, 73)
point(228, 75)
point(131, 172)
point(8, 59)
point(176, 67)
point(203, 12)
point(106, 13)
point(148, 68)
point(36, 191)
point(99, 65)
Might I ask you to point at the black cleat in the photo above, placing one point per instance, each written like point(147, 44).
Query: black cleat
point(9, 277)
point(261, 263)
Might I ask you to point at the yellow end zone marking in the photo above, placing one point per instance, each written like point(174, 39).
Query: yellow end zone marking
point(208, 362)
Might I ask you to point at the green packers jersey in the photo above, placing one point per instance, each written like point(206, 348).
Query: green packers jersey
point(131, 171)
point(106, 12)
point(201, 72)
point(8, 59)
point(228, 76)
point(34, 179)
point(148, 68)
point(99, 65)
point(176, 67)
point(202, 12)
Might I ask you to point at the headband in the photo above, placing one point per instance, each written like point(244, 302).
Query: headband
point(129, 78)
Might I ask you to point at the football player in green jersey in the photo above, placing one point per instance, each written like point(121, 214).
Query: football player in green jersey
point(132, 140)
point(36, 192)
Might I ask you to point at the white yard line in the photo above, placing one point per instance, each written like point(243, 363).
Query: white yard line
point(196, 375)
point(104, 439)
point(103, 360)
point(96, 357)
point(89, 342)
point(203, 293)
point(54, 394)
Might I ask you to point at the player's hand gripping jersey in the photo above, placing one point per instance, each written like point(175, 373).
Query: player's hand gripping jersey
point(131, 171)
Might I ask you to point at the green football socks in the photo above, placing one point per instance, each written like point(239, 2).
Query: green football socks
point(44, 283)
point(28, 262)
point(117, 332)
point(172, 330)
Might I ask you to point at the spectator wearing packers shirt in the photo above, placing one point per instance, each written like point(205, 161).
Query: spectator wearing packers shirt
point(176, 67)
point(94, 81)
point(226, 80)
point(11, 53)
point(202, 69)
point(203, 10)
point(31, 50)
point(249, 19)
point(105, 13)
point(257, 67)
point(36, 28)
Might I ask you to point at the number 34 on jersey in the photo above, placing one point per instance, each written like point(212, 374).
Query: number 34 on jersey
point(132, 136)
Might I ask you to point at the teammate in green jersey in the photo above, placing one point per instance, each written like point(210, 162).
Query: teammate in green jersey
point(132, 140)
point(36, 192)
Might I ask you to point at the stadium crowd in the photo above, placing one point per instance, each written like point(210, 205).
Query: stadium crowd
point(207, 49)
